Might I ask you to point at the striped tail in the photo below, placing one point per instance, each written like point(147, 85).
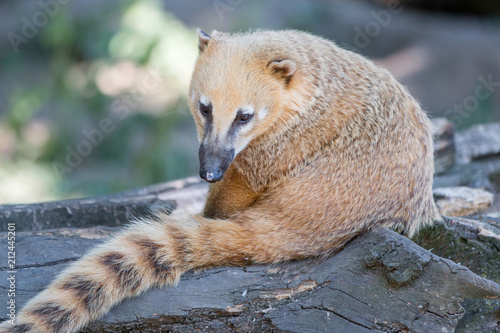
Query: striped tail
point(146, 254)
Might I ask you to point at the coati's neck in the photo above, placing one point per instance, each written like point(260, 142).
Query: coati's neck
point(273, 156)
point(307, 123)
point(301, 131)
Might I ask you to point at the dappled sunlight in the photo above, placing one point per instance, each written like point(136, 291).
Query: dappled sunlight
point(36, 135)
point(22, 179)
point(152, 43)
point(116, 79)
point(156, 39)
point(176, 53)
point(97, 96)
point(152, 93)
point(78, 78)
point(8, 140)
point(25, 182)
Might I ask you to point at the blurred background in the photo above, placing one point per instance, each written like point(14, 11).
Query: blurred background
point(93, 93)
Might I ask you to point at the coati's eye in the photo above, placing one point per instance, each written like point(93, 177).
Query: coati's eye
point(206, 110)
point(244, 118)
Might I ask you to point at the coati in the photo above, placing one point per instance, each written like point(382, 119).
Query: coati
point(306, 146)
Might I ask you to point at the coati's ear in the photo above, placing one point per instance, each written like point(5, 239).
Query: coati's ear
point(283, 68)
point(203, 40)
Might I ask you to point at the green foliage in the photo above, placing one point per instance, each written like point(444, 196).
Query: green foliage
point(65, 81)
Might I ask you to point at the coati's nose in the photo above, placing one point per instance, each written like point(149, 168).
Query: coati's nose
point(211, 175)
point(214, 162)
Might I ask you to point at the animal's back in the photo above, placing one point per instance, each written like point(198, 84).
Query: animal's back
point(359, 152)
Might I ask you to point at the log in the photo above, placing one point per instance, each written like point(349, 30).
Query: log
point(109, 210)
point(381, 281)
point(478, 142)
point(475, 243)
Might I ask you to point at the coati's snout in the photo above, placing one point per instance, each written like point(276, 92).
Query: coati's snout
point(236, 102)
point(214, 162)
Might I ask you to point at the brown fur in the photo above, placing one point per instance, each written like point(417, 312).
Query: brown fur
point(342, 147)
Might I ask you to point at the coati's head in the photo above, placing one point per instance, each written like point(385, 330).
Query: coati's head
point(237, 93)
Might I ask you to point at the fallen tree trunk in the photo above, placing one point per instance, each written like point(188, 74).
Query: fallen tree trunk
point(109, 210)
point(381, 281)
point(475, 243)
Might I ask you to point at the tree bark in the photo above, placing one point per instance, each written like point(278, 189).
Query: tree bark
point(381, 281)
